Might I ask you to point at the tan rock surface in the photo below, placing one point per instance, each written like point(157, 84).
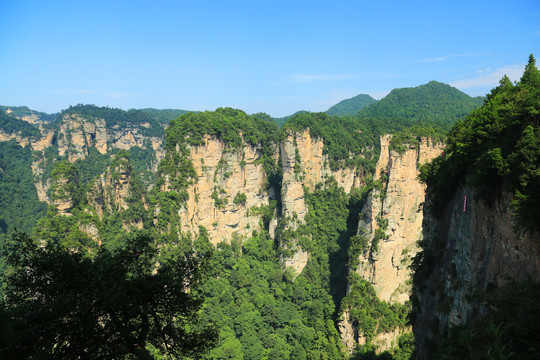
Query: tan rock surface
point(305, 165)
point(228, 172)
point(401, 208)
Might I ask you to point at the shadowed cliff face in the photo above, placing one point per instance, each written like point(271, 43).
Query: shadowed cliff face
point(470, 247)
point(395, 210)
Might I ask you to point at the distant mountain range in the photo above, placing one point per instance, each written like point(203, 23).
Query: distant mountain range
point(432, 101)
point(351, 106)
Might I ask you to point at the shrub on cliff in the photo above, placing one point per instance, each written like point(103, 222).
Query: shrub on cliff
point(497, 148)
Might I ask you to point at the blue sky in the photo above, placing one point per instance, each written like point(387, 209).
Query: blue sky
point(275, 56)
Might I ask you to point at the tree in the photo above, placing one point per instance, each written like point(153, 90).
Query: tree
point(65, 304)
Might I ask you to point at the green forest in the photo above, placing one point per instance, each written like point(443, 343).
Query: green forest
point(119, 278)
point(495, 150)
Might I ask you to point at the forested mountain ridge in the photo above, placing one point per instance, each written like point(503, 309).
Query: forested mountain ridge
point(308, 225)
point(351, 106)
point(434, 102)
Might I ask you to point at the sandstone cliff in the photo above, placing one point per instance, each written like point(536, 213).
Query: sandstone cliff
point(230, 186)
point(76, 134)
point(396, 209)
point(471, 246)
point(305, 165)
point(391, 224)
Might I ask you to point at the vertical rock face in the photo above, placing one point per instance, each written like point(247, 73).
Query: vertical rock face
point(77, 134)
point(474, 245)
point(112, 189)
point(397, 210)
point(305, 165)
point(223, 175)
point(23, 141)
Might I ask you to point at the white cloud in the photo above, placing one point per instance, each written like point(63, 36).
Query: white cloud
point(311, 78)
point(490, 78)
point(443, 58)
point(73, 92)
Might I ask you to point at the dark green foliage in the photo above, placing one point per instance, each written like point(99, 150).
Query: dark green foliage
point(261, 311)
point(63, 304)
point(348, 141)
point(230, 125)
point(351, 106)
point(65, 186)
point(403, 351)
point(20, 207)
point(20, 111)
point(508, 330)
point(497, 148)
point(164, 116)
point(92, 165)
point(11, 125)
point(64, 230)
point(143, 159)
point(281, 121)
point(434, 102)
point(240, 199)
point(371, 315)
point(410, 137)
point(120, 118)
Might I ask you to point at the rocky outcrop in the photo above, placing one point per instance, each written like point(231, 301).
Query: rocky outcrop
point(383, 341)
point(76, 134)
point(470, 247)
point(305, 165)
point(23, 141)
point(229, 188)
point(44, 142)
point(396, 209)
point(63, 195)
point(112, 189)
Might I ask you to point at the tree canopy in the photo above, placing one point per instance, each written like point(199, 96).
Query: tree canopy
point(103, 305)
point(496, 148)
point(351, 106)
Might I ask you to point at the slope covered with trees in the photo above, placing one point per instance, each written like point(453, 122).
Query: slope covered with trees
point(495, 152)
point(434, 103)
point(12, 125)
point(260, 309)
point(20, 207)
point(496, 148)
point(351, 106)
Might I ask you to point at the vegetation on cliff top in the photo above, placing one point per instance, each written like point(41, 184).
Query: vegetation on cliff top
point(497, 148)
point(20, 111)
point(11, 125)
point(232, 126)
point(118, 118)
